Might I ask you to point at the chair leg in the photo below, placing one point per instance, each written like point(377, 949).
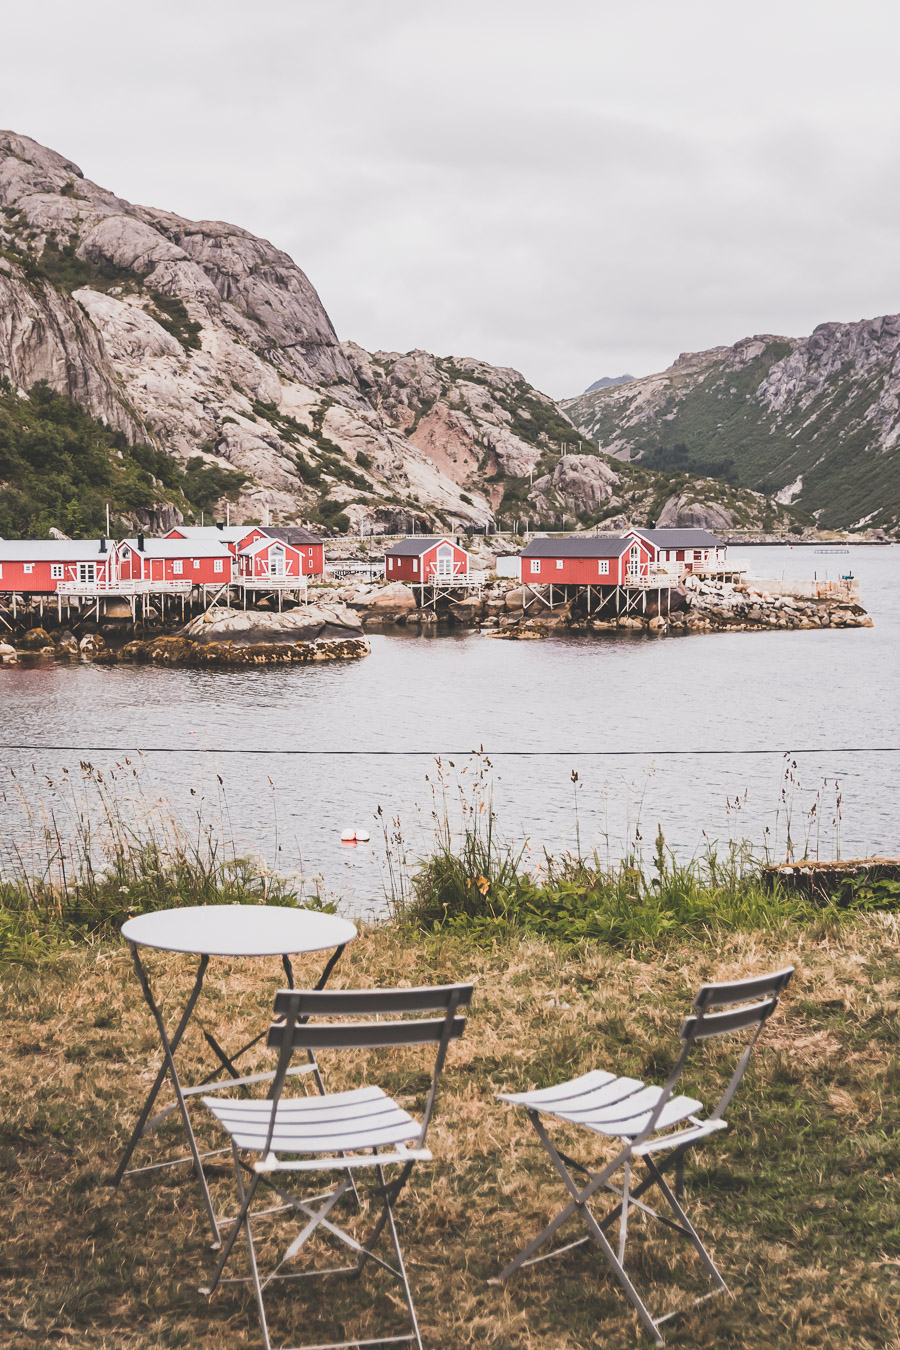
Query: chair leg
point(392, 1191)
point(245, 1199)
point(254, 1272)
point(688, 1227)
point(401, 1265)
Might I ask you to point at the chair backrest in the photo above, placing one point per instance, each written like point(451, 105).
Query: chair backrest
point(719, 1010)
point(295, 1028)
point(735, 997)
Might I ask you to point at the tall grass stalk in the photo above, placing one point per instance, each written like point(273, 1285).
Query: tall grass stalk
point(95, 847)
point(473, 881)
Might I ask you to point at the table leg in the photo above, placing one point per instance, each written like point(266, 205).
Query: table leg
point(168, 1067)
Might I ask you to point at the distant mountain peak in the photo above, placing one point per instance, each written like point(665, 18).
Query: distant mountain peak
point(607, 382)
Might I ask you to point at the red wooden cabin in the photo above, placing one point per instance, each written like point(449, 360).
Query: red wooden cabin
point(37, 566)
point(297, 541)
point(271, 559)
point(424, 557)
point(589, 560)
point(199, 563)
point(683, 550)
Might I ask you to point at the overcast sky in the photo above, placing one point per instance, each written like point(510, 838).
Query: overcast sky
point(575, 189)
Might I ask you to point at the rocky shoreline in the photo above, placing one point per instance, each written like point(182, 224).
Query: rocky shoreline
point(333, 626)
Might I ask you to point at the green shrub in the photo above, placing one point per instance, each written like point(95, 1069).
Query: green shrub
point(60, 467)
point(172, 315)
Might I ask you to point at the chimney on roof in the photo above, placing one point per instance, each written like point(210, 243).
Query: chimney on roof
point(102, 543)
point(219, 525)
point(140, 540)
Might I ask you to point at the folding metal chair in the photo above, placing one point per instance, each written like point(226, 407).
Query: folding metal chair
point(344, 1132)
point(649, 1121)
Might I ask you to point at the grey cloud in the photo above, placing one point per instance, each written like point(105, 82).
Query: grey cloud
point(574, 189)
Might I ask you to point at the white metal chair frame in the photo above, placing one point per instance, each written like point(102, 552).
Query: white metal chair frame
point(643, 1117)
point(146, 1124)
point(338, 1140)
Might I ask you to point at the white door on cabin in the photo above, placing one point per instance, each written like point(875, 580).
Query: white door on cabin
point(276, 561)
point(634, 561)
point(445, 561)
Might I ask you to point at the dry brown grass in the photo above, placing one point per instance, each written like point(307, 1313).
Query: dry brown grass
point(799, 1201)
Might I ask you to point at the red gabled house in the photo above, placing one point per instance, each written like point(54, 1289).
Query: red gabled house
point(683, 550)
point(200, 563)
point(423, 558)
point(38, 566)
point(586, 560)
point(302, 547)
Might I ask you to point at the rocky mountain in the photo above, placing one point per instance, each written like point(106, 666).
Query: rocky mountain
point(607, 382)
point(207, 361)
point(813, 421)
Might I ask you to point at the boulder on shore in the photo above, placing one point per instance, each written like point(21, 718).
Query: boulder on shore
point(247, 627)
point(391, 602)
point(35, 640)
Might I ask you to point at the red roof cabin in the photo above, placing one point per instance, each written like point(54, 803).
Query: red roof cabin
point(683, 550)
point(587, 560)
point(230, 535)
point(423, 558)
point(301, 546)
point(37, 566)
point(200, 563)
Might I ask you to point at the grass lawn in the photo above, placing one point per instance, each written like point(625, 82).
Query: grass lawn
point(799, 1201)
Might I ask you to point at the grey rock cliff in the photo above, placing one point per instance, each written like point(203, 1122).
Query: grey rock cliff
point(260, 385)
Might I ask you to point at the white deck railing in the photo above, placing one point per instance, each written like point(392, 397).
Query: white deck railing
point(271, 583)
point(455, 579)
point(126, 586)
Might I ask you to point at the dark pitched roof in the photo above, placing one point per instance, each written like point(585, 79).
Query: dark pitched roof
point(294, 535)
point(418, 544)
point(584, 546)
point(681, 538)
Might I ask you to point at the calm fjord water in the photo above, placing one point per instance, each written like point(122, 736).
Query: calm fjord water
point(452, 693)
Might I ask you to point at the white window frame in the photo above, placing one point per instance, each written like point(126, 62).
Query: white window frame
point(177, 567)
point(390, 564)
point(87, 573)
point(535, 566)
point(56, 572)
point(559, 563)
point(196, 564)
point(415, 564)
point(277, 551)
point(603, 567)
point(28, 568)
point(442, 557)
point(217, 564)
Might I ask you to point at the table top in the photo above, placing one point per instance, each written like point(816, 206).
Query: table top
point(239, 930)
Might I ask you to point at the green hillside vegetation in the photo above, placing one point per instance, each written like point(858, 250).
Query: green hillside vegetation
point(712, 424)
point(59, 467)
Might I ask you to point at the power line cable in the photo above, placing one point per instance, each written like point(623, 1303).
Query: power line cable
point(446, 754)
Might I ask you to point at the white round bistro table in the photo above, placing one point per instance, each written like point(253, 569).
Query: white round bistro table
point(208, 931)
